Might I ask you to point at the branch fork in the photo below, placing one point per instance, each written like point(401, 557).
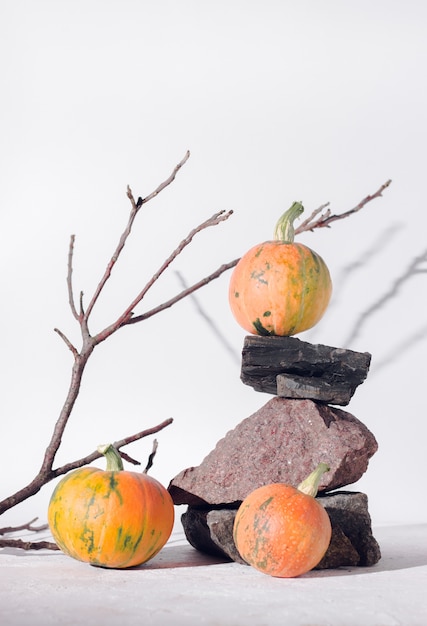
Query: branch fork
point(47, 471)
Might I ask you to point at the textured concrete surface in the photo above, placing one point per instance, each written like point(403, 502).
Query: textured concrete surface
point(181, 586)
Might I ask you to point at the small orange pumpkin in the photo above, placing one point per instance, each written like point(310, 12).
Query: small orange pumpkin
point(283, 531)
point(280, 287)
point(111, 518)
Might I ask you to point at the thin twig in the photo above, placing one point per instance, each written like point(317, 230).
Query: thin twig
point(183, 294)
point(28, 545)
point(151, 457)
point(305, 224)
point(70, 278)
point(167, 182)
point(135, 209)
point(86, 460)
point(47, 472)
point(127, 315)
point(67, 341)
point(28, 526)
point(46, 475)
point(129, 459)
point(325, 220)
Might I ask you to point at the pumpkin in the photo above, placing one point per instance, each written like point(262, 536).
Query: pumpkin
point(280, 287)
point(111, 518)
point(281, 530)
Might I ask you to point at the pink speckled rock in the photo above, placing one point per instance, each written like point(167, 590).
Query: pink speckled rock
point(282, 442)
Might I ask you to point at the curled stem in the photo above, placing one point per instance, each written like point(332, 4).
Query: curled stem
point(114, 460)
point(285, 231)
point(310, 485)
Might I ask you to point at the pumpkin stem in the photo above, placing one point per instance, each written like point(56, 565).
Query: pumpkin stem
point(310, 485)
point(284, 230)
point(114, 460)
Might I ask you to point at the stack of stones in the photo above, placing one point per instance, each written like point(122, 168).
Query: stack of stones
point(284, 441)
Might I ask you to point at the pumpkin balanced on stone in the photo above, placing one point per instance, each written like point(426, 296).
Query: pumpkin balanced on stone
point(280, 287)
point(281, 530)
point(111, 518)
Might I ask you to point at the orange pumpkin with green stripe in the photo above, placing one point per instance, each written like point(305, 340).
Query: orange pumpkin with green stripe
point(280, 287)
point(111, 518)
point(281, 530)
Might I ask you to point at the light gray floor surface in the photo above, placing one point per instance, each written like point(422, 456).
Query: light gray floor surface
point(183, 586)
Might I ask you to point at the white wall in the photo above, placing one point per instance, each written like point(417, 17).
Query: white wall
point(277, 101)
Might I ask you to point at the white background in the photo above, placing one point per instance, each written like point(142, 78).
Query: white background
point(277, 101)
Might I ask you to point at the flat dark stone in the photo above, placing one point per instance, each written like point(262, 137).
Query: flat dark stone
point(352, 543)
point(291, 368)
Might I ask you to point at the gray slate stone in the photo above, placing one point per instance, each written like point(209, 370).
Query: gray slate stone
point(282, 442)
point(352, 542)
point(291, 368)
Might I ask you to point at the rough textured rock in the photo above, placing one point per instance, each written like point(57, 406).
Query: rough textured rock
point(211, 531)
point(282, 442)
point(352, 542)
point(349, 515)
point(291, 368)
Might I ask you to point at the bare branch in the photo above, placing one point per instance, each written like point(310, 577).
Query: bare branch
point(69, 278)
point(151, 456)
point(86, 460)
point(67, 341)
point(326, 219)
point(127, 316)
point(46, 474)
point(183, 294)
point(135, 208)
point(28, 545)
point(167, 182)
point(305, 225)
point(28, 526)
point(129, 459)
point(135, 205)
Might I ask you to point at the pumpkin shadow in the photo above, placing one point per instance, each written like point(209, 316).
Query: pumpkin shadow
point(174, 556)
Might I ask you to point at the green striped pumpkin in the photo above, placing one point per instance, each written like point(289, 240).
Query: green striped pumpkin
point(111, 518)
